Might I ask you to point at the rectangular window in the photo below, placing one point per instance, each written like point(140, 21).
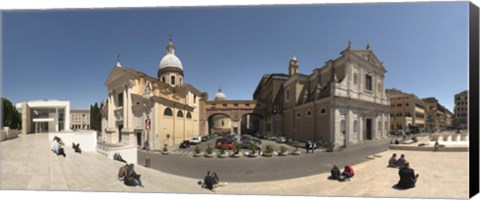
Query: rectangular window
point(120, 99)
point(173, 80)
point(368, 82)
point(287, 94)
point(194, 98)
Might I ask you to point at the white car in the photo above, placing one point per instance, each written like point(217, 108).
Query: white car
point(196, 140)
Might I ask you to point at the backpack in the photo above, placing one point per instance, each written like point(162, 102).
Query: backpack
point(122, 171)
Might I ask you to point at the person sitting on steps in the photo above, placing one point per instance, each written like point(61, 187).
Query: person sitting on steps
point(408, 178)
point(335, 174)
point(209, 181)
point(132, 178)
point(122, 172)
point(118, 157)
point(401, 161)
point(393, 161)
point(348, 172)
point(76, 148)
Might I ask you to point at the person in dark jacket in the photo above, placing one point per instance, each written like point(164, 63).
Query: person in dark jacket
point(209, 181)
point(76, 147)
point(132, 178)
point(118, 157)
point(408, 178)
point(335, 173)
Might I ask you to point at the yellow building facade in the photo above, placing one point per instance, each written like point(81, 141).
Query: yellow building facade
point(161, 110)
point(406, 111)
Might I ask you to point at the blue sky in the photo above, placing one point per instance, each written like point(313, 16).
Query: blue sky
point(68, 54)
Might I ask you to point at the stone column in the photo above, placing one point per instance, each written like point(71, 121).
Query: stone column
point(56, 120)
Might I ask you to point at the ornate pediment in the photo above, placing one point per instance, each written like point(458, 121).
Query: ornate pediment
point(369, 57)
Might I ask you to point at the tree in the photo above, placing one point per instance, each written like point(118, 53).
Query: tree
point(11, 116)
point(95, 117)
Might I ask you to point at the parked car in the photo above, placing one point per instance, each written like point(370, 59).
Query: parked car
point(206, 138)
point(196, 140)
point(185, 144)
point(232, 137)
point(245, 144)
point(250, 138)
point(222, 142)
point(281, 139)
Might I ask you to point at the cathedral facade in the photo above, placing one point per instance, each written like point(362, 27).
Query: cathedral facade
point(343, 102)
point(160, 110)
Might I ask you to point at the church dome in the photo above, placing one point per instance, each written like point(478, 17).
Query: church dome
point(170, 60)
point(220, 95)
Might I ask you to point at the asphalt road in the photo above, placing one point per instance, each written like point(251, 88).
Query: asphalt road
point(247, 169)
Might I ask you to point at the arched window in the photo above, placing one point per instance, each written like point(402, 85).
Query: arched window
point(189, 116)
point(179, 113)
point(168, 112)
point(355, 126)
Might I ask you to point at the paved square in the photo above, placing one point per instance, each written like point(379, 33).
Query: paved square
point(27, 163)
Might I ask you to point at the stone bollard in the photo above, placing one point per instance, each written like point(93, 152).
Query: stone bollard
point(147, 162)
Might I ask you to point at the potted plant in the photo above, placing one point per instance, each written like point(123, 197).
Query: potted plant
point(329, 146)
point(198, 152)
point(283, 151)
point(165, 149)
point(253, 150)
point(268, 151)
point(296, 144)
point(236, 153)
point(223, 153)
point(209, 152)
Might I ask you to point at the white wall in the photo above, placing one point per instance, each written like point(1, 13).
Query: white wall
point(128, 153)
point(87, 139)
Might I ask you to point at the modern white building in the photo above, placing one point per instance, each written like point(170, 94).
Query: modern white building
point(44, 116)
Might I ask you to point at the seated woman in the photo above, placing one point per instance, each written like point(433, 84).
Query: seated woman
point(348, 172)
